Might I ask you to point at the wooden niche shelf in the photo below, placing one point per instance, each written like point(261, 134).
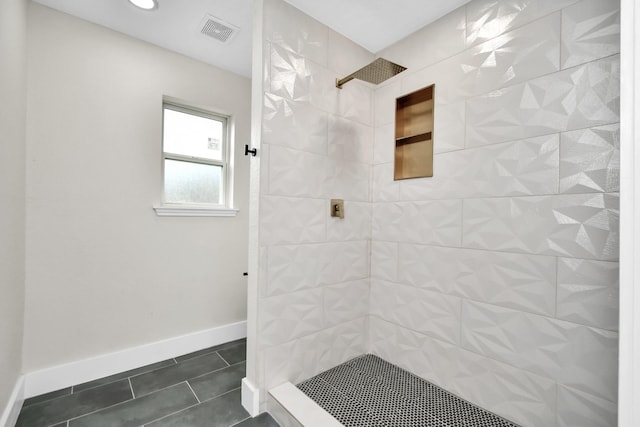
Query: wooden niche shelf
point(414, 135)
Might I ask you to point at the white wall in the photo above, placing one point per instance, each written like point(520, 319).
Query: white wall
point(104, 273)
point(316, 144)
point(498, 277)
point(13, 23)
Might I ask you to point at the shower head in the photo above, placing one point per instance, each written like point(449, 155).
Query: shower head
point(376, 72)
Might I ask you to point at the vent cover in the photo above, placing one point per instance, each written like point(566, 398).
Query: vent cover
point(218, 29)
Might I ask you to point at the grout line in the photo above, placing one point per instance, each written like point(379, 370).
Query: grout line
point(551, 317)
point(561, 47)
point(462, 233)
point(131, 387)
point(217, 370)
point(194, 393)
point(501, 251)
point(239, 422)
point(220, 395)
point(223, 359)
point(557, 288)
point(100, 409)
point(192, 406)
point(476, 353)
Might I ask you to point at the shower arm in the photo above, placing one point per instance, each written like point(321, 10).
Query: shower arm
point(340, 82)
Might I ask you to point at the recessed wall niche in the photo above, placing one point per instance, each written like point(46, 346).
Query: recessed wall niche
point(414, 135)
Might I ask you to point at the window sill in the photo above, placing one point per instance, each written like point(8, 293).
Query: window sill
point(194, 211)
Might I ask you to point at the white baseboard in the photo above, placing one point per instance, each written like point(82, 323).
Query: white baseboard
point(250, 397)
point(61, 376)
point(12, 410)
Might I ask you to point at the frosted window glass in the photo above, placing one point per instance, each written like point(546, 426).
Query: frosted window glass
point(193, 136)
point(186, 182)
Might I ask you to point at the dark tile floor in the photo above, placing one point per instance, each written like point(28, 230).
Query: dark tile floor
point(200, 389)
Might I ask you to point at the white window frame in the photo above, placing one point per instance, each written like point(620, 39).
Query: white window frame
point(169, 208)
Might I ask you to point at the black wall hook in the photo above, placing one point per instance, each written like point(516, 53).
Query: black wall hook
point(253, 152)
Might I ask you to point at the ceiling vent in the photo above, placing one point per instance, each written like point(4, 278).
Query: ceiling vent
point(218, 29)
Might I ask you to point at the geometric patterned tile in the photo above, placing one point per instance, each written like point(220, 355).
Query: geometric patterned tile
point(507, 391)
point(354, 100)
point(574, 355)
point(385, 189)
point(345, 302)
point(304, 221)
point(449, 127)
point(588, 292)
point(296, 173)
point(516, 394)
point(356, 225)
point(295, 31)
point(384, 145)
point(430, 313)
point(487, 19)
point(420, 354)
point(581, 225)
point(436, 222)
point(290, 75)
point(520, 281)
point(440, 39)
point(514, 57)
point(590, 30)
point(293, 361)
point(576, 98)
point(384, 100)
point(590, 160)
point(307, 356)
point(384, 260)
point(350, 140)
point(289, 316)
point(306, 126)
point(344, 55)
point(427, 267)
point(347, 180)
point(581, 409)
point(527, 167)
point(341, 343)
point(295, 267)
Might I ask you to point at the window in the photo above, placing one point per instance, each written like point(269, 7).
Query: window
point(195, 160)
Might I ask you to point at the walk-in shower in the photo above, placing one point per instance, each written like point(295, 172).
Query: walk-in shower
point(471, 280)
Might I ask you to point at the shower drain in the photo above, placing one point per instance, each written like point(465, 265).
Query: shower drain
point(368, 392)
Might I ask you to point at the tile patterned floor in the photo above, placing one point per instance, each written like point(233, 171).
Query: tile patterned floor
point(369, 391)
point(200, 389)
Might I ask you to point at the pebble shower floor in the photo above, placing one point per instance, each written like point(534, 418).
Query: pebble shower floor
point(369, 392)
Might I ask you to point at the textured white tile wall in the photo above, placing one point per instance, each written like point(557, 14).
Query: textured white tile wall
point(317, 144)
point(496, 278)
point(517, 394)
point(518, 227)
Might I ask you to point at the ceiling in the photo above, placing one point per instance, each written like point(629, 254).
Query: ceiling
point(176, 24)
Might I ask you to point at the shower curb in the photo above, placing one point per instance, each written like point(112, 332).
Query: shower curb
point(292, 408)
